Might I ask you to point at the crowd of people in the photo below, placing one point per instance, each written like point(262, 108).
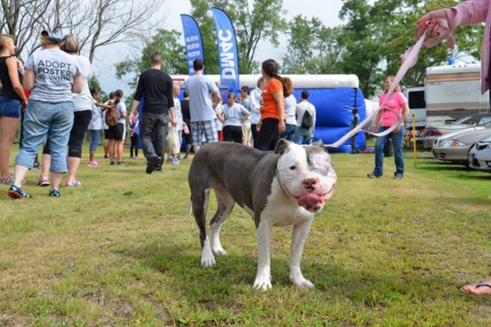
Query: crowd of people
point(158, 119)
point(252, 117)
point(53, 94)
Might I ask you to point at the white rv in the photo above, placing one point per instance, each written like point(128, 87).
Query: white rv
point(449, 93)
point(455, 91)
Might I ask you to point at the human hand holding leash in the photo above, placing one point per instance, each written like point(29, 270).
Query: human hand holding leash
point(439, 26)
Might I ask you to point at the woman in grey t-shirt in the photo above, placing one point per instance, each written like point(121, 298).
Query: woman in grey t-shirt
point(82, 115)
point(51, 75)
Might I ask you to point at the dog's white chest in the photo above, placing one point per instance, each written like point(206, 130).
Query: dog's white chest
point(282, 210)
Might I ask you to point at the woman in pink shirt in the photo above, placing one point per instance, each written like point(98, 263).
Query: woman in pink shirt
point(466, 13)
point(392, 108)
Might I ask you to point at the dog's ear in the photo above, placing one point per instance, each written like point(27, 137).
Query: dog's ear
point(319, 143)
point(281, 146)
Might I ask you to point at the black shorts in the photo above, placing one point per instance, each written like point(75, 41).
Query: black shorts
point(232, 134)
point(115, 132)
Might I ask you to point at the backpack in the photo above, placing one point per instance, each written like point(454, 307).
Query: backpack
point(306, 120)
point(111, 118)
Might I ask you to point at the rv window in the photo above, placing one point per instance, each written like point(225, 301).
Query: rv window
point(416, 99)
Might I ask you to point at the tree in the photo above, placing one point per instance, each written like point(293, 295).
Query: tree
point(94, 84)
point(363, 52)
point(20, 19)
point(200, 10)
point(164, 42)
point(312, 48)
point(259, 20)
point(374, 46)
point(95, 23)
point(104, 22)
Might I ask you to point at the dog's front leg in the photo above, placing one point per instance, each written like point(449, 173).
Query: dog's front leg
point(207, 258)
point(263, 277)
point(300, 233)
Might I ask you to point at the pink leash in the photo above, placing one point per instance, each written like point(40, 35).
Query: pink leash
point(409, 59)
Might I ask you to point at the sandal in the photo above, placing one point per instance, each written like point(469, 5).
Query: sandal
point(480, 288)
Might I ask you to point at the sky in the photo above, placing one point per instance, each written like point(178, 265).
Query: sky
point(103, 66)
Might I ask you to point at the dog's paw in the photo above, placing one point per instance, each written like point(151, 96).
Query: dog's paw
point(207, 262)
point(263, 282)
point(301, 282)
point(219, 251)
point(207, 258)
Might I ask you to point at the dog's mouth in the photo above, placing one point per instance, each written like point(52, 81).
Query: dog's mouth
point(311, 201)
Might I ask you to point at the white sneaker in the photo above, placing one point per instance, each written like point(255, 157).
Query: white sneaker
point(72, 183)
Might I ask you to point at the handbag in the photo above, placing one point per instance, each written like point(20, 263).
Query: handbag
point(172, 140)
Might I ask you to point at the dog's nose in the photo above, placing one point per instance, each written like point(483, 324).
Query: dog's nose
point(310, 183)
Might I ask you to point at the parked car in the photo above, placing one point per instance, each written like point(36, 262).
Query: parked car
point(480, 155)
point(474, 122)
point(454, 147)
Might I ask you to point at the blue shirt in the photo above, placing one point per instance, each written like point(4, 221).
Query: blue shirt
point(234, 114)
point(200, 89)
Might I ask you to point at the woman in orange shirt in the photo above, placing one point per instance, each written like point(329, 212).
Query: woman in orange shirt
point(272, 122)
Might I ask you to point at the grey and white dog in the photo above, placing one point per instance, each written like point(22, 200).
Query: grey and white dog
point(280, 188)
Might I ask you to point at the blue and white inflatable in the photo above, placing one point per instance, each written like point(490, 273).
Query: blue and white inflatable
point(334, 97)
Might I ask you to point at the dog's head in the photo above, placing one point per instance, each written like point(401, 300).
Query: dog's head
point(306, 173)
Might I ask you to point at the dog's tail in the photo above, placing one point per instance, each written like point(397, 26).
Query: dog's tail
point(190, 208)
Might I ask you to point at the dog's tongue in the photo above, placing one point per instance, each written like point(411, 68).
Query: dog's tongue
point(310, 200)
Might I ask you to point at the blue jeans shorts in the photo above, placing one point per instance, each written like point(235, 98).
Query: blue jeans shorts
point(95, 135)
point(9, 108)
point(43, 119)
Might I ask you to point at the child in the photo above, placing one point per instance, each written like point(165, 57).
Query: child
point(134, 127)
point(95, 126)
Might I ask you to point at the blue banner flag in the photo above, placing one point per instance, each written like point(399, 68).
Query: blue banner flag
point(192, 41)
point(227, 50)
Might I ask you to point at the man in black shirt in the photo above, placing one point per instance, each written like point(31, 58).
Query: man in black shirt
point(155, 90)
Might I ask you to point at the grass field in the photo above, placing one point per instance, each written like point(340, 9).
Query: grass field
point(121, 251)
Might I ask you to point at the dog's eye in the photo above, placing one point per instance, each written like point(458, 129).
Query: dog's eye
point(293, 167)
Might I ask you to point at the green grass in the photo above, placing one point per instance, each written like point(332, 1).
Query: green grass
point(121, 251)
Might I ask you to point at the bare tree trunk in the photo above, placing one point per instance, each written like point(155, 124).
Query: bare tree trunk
point(95, 23)
point(20, 18)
